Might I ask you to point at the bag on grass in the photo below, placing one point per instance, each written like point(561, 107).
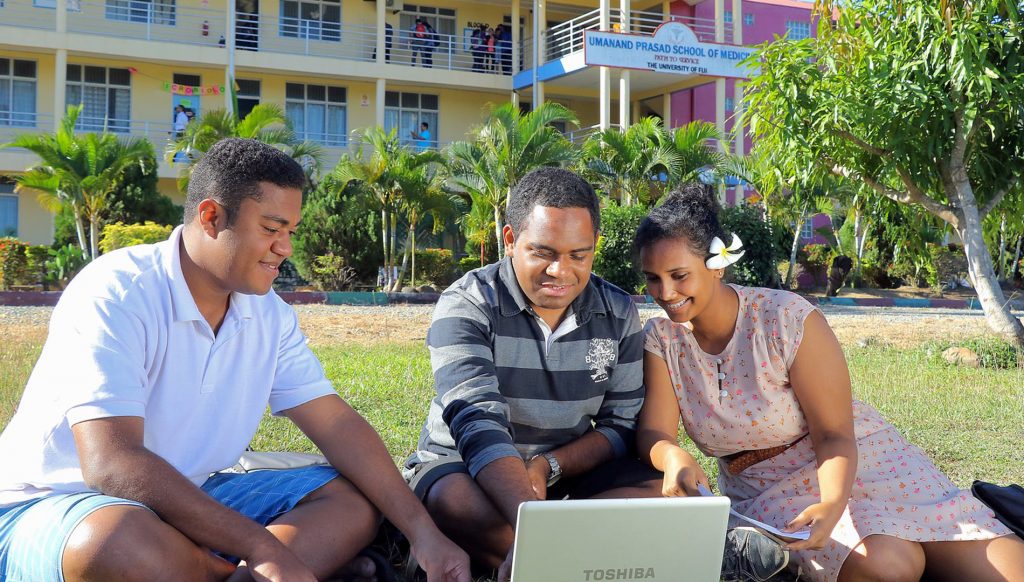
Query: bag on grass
point(1006, 502)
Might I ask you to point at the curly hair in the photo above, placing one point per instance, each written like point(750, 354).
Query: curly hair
point(232, 171)
point(552, 187)
point(689, 213)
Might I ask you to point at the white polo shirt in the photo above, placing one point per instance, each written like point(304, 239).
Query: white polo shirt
point(126, 339)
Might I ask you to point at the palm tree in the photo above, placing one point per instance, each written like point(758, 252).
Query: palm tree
point(266, 122)
point(626, 164)
point(80, 171)
point(507, 146)
point(696, 155)
point(421, 180)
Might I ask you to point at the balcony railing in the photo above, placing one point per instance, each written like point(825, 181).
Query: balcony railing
point(165, 20)
point(566, 37)
point(159, 21)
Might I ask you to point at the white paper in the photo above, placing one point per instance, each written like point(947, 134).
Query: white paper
point(786, 535)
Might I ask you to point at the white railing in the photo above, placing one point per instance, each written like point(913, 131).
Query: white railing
point(14, 124)
point(567, 37)
point(160, 21)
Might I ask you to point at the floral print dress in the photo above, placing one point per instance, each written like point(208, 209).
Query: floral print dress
point(741, 399)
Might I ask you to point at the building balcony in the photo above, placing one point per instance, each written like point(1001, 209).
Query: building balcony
point(563, 55)
point(178, 31)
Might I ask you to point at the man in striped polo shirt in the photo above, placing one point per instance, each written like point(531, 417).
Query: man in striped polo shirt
point(538, 367)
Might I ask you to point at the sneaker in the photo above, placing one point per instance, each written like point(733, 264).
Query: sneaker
point(751, 556)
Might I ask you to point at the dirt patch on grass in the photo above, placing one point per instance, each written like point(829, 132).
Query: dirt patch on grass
point(326, 325)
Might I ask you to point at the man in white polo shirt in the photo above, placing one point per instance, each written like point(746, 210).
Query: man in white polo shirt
point(159, 364)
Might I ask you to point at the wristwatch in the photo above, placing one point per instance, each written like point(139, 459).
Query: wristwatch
point(556, 469)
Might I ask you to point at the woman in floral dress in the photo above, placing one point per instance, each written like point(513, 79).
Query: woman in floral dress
point(750, 369)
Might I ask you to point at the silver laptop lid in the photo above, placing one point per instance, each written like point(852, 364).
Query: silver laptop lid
point(595, 540)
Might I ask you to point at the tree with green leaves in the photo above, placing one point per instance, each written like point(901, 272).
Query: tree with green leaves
point(507, 146)
point(919, 100)
point(266, 122)
point(421, 179)
point(80, 171)
point(625, 165)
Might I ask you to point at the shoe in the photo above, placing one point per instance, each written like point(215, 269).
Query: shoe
point(751, 556)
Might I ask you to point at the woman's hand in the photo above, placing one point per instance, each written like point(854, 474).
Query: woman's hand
point(682, 475)
point(822, 519)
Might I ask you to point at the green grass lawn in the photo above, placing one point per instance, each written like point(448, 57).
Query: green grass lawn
point(968, 420)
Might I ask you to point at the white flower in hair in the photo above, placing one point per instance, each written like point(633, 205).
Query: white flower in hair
point(722, 256)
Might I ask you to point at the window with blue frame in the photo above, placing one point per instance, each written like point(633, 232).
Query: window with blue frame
point(798, 30)
point(8, 211)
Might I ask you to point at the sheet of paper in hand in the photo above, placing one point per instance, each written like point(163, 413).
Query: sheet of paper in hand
point(785, 536)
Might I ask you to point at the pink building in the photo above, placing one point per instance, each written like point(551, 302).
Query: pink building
point(762, 21)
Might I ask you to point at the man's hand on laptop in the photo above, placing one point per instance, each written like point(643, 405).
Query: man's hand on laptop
point(682, 476)
point(441, 559)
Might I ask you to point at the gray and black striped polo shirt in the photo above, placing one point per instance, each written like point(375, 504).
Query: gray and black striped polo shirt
point(500, 395)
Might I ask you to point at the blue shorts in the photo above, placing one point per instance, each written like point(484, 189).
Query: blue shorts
point(33, 534)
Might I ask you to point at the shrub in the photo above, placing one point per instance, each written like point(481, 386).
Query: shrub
point(993, 352)
point(757, 267)
point(948, 264)
point(337, 221)
point(435, 266)
point(120, 235)
point(14, 268)
point(467, 264)
point(37, 256)
point(65, 262)
point(613, 260)
point(330, 273)
point(816, 259)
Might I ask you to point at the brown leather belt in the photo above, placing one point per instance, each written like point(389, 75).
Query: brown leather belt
point(736, 463)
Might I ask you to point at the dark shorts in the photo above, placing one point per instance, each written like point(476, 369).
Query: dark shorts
point(617, 473)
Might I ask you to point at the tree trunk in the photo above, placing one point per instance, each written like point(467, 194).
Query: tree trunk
point(1016, 260)
point(1001, 263)
point(794, 248)
point(92, 238)
point(412, 234)
point(483, 247)
point(394, 236)
point(856, 242)
point(80, 231)
point(497, 232)
point(401, 270)
point(384, 241)
point(979, 262)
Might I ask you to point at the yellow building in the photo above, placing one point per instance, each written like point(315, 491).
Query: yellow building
point(334, 65)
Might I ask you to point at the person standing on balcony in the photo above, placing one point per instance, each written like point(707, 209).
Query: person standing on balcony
point(180, 121)
point(479, 48)
point(160, 362)
point(504, 34)
point(424, 41)
point(492, 41)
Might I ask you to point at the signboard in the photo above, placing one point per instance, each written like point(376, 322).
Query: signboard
point(673, 48)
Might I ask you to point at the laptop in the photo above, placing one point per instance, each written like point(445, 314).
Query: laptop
point(677, 539)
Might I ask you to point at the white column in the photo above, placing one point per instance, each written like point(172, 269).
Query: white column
point(737, 22)
point(60, 77)
point(624, 90)
point(666, 8)
point(719, 21)
point(539, 25)
point(61, 15)
point(666, 109)
point(379, 103)
point(635, 110)
point(60, 85)
point(720, 124)
point(604, 73)
point(516, 40)
point(229, 46)
point(381, 32)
